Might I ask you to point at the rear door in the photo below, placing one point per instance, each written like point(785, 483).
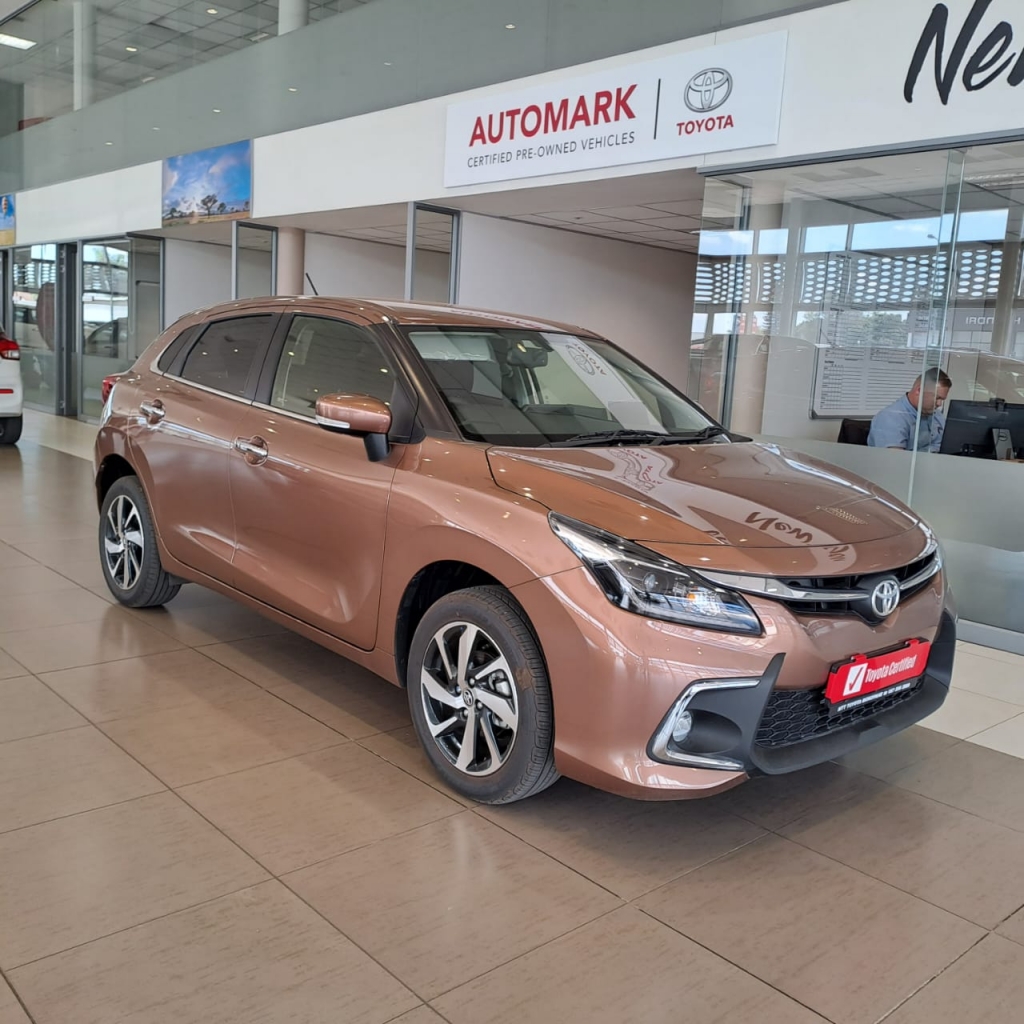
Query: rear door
point(310, 507)
point(183, 438)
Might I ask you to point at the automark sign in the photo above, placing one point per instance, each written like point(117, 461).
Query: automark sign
point(704, 101)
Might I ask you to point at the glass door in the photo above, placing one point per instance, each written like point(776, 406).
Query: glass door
point(119, 312)
point(34, 323)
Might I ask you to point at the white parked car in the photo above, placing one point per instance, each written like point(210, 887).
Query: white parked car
point(10, 390)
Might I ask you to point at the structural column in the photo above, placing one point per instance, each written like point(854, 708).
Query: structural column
point(84, 50)
point(291, 261)
point(292, 14)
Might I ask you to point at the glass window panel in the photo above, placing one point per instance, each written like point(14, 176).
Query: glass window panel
point(828, 238)
point(34, 322)
point(327, 357)
point(226, 354)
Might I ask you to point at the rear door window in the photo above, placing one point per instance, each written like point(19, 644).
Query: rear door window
point(229, 353)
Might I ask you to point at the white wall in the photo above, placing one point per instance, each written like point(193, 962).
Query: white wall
point(196, 274)
point(351, 267)
point(103, 205)
point(639, 297)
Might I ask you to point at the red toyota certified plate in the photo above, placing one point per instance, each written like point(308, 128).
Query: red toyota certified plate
point(867, 678)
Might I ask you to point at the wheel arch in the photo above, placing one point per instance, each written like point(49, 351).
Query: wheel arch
point(427, 586)
point(111, 469)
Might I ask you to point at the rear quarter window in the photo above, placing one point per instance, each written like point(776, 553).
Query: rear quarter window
point(186, 337)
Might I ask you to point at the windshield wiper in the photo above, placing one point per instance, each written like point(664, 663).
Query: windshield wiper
point(691, 437)
point(635, 437)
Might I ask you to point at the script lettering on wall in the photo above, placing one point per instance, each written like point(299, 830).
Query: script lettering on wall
point(990, 58)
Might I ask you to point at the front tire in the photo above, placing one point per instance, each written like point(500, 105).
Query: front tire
point(10, 429)
point(480, 697)
point(128, 549)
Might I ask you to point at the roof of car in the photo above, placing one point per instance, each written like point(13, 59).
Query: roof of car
point(383, 310)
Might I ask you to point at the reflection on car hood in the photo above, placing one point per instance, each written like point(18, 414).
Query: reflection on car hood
point(748, 496)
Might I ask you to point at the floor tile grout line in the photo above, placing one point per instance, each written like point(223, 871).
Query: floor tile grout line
point(46, 732)
point(88, 664)
point(141, 924)
point(738, 967)
point(903, 1002)
point(531, 950)
point(348, 938)
point(88, 810)
point(920, 796)
point(882, 881)
point(17, 995)
point(280, 876)
point(626, 899)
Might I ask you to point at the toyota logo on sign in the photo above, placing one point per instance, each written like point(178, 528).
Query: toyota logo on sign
point(708, 90)
point(885, 598)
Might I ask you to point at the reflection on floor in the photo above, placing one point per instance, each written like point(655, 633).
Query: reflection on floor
point(203, 818)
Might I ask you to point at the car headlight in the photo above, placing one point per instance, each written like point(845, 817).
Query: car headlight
point(646, 583)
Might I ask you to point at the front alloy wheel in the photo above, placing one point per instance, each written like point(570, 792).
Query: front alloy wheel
point(469, 698)
point(480, 697)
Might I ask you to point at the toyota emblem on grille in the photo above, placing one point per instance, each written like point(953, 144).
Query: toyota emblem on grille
point(885, 598)
point(708, 90)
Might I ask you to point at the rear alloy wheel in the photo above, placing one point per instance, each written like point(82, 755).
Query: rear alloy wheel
point(480, 697)
point(10, 429)
point(128, 551)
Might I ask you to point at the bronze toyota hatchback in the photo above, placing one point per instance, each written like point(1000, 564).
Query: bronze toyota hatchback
point(571, 568)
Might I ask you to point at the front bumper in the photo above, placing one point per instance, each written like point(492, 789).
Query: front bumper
point(615, 676)
point(748, 725)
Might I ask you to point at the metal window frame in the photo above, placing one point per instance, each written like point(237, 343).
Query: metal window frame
point(454, 261)
point(236, 226)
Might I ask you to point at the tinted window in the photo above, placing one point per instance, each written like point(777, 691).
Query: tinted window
point(224, 356)
point(328, 357)
point(186, 337)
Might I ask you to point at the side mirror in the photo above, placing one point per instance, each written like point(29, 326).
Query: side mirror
point(361, 415)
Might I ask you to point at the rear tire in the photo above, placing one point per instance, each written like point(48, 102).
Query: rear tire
point(10, 429)
point(128, 548)
point(480, 697)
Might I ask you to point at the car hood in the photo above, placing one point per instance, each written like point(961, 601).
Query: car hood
point(799, 515)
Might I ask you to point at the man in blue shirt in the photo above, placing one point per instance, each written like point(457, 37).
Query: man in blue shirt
point(897, 426)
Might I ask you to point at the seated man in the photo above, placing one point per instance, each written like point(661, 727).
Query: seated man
point(896, 426)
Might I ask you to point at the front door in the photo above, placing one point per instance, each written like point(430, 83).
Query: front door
point(184, 437)
point(310, 507)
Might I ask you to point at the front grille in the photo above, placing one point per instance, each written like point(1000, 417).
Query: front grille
point(793, 716)
point(827, 583)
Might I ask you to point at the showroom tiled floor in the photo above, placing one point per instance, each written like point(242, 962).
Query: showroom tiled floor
point(205, 819)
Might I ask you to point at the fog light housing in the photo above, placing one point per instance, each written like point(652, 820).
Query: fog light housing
point(682, 727)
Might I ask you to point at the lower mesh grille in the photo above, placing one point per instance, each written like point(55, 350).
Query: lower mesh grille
point(793, 716)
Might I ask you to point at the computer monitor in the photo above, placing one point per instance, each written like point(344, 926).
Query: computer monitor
point(970, 428)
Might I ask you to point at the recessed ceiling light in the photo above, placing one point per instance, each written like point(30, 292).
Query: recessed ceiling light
point(291, 88)
point(212, 10)
point(155, 128)
point(387, 63)
point(149, 78)
point(16, 41)
point(510, 26)
point(107, 143)
point(132, 49)
point(216, 110)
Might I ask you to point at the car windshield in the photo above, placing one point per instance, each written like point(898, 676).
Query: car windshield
point(529, 388)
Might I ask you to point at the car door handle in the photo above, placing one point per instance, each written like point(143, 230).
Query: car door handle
point(153, 411)
point(255, 449)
